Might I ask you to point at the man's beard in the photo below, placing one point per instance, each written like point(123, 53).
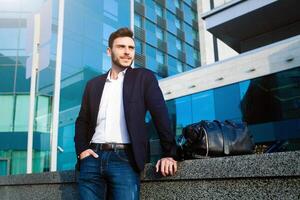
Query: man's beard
point(117, 62)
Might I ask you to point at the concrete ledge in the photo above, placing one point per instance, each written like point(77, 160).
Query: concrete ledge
point(271, 176)
point(247, 166)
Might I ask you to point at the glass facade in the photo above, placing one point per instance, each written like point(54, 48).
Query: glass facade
point(270, 105)
point(87, 25)
point(16, 51)
point(170, 28)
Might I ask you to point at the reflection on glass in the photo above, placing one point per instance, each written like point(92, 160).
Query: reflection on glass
point(270, 105)
point(16, 35)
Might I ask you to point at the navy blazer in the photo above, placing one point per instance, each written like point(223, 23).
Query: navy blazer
point(141, 92)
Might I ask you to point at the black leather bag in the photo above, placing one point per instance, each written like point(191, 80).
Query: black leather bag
point(214, 138)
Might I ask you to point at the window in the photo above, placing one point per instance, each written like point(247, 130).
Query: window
point(179, 66)
point(150, 11)
point(159, 10)
point(196, 54)
point(171, 22)
point(178, 23)
point(160, 57)
point(150, 29)
point(138, 21)
point(160, 33)
point(171, 41)
point(170, 6)
point(177, 4)
point(151, 62)
point(138, 46)
point(195, 35)
point(179, 44)
point(189, 37)
point(188, 16)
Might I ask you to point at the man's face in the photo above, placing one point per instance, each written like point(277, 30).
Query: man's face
point(122, 52)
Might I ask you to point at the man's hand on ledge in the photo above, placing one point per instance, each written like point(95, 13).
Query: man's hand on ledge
point(167, 166)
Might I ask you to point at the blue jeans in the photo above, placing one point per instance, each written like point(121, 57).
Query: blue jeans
point(110, 176)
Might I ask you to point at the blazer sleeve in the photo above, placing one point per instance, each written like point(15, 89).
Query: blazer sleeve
point(156, 105)
point(82, 124)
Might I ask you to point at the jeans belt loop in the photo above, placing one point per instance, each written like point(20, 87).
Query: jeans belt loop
point(114, 146)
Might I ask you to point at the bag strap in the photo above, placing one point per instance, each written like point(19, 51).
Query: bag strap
point(206, 140)
point(225, 137)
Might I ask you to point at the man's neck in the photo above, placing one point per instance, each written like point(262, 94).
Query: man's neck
point(115, 70)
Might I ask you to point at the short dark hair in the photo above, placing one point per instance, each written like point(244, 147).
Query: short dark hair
point(121, 32)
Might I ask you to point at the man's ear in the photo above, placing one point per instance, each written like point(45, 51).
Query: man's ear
point(108, 51)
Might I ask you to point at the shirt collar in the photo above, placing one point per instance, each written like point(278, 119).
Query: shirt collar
point(120, 75)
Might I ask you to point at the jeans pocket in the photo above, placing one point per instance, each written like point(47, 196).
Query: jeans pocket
point(122, 155)
point(85, 158)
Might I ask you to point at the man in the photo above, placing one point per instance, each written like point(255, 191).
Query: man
point(111, 138)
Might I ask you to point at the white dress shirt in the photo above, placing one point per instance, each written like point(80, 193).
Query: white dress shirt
point(111, 125)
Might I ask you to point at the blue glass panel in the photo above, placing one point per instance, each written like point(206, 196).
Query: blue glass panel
point(7, 113)
point(138, 46)
point(160, 33)
point(188, 2)
point(7, 74)
point(151, 58)
point(172, 63)
point(179, 44)
point(159, 10)
point(188, 37)
point(3, 167)
point(171, 23)
point(188, 16)
point(177, 4)
point(226, 105)
point(150, 10)
point(179, 66)
point(178, 23)
point(171, 39)
point(189, 52)
point(160, 57)
point(180, 112)
point(150, 33)
point(203, 106)
point(171, 6)
point(138, 20)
